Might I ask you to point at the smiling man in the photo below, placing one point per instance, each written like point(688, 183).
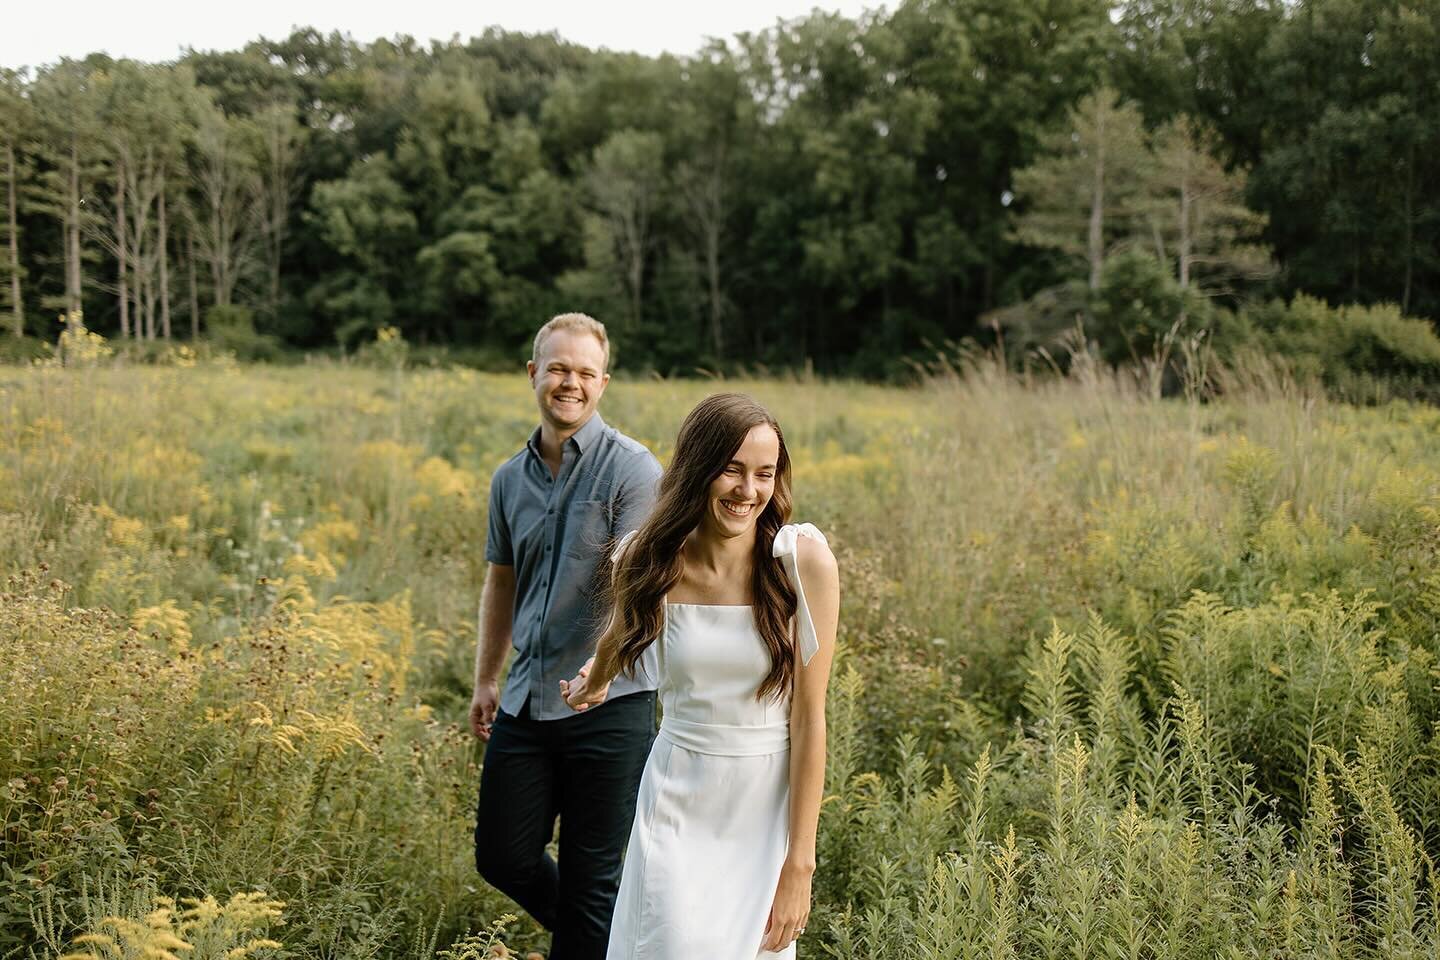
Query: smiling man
point(555, 507)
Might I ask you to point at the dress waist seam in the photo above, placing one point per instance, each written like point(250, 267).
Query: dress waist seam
point(727, 740)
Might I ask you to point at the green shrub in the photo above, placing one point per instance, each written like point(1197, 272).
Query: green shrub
point(24, 350)
point(388, 351)
point(1361, 353)
point(1136, 307)
point(293, 762)
point(232, 328)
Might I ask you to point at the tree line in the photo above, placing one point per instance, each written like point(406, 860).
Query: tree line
point(841, 191)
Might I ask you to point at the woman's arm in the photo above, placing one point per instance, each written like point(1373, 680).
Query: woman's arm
point(592, 684)
point(821, 578)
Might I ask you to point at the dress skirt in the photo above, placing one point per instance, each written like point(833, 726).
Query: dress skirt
point(705, 852)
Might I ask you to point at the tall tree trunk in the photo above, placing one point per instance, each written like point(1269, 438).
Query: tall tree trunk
point(164, 253)
point(1185, 253)
point(1409, 227)
point(194, 287)
point(149, 306)
point(276, 241)
point(121, 248)
point(1095, 241)
point(717, 303)
point(220, 244)
point(73, 279)
point(17, 305)
point(637, 271)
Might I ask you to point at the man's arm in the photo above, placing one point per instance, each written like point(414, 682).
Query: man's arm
point(497, 615)
point(637, 495)
point(633, 502)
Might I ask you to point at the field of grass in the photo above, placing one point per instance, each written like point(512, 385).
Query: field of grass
point(1118, 677)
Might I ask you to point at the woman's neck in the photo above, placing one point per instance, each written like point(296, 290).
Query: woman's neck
point(719, 557)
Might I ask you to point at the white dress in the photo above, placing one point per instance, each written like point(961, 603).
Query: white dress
point(712, 820)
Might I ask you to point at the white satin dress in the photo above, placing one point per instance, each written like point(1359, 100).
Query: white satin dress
point(712, 820)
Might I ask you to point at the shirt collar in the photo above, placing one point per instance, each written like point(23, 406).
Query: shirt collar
point(583, 438)
point(586, 436)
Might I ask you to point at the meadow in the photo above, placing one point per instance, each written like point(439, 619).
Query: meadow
point(1118, 676)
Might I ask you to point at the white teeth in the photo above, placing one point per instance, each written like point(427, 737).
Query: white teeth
point(737, 510)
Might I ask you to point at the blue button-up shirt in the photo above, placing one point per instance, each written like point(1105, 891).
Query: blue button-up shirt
point(556, 531)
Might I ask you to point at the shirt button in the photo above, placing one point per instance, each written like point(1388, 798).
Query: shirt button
point(547, 548)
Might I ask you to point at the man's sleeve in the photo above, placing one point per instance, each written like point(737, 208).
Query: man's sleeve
point(497, 538)
point(637, 494)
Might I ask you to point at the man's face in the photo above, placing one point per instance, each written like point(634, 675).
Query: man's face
point(569, 378)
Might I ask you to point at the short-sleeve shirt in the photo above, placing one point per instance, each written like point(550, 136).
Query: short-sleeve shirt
point(556, 531)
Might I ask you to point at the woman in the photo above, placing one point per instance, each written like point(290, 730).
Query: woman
point(744, 609)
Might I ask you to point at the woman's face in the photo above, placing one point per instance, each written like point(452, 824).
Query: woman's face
point(740, 494)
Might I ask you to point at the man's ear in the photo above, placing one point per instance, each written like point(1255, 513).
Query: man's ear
point(530, 369)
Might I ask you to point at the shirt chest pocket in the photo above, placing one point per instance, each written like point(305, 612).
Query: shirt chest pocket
point(587, 530)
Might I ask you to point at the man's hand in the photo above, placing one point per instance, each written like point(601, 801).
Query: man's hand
point(482, 708)
point(577, 692)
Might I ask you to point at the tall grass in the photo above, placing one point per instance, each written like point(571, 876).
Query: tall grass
point(1118, 676)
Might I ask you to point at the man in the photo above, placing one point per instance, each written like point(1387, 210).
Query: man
point(555, 507)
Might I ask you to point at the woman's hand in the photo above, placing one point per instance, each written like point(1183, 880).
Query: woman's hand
point(791, 908)
point(578, 693)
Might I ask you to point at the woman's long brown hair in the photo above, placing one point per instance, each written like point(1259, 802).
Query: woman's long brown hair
point(653, 562)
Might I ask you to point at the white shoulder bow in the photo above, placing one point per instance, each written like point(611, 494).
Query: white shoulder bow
point(786, 548)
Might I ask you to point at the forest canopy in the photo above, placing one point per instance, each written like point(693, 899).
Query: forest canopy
point(829, 191)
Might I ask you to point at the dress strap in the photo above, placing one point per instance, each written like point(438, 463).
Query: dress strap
point(786, 548)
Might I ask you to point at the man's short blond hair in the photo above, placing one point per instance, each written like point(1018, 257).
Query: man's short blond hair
point(571, 323)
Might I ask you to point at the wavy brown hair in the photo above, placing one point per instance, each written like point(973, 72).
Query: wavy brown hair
point(653, 562)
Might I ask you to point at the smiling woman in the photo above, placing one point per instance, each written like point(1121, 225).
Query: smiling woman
point(732, 785)
point(746, 484)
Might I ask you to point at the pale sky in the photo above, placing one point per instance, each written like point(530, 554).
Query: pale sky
point(34, 32)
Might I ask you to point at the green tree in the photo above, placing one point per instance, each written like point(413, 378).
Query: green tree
point(1004, 73)
point(147, 115)
point(366, 219)
point(1203, 58)
point(1197, 214)
point(16, 123)
point(1329, 103)
point(69, 146)
point(1081, 198)
point(226, 215)
point(626, 183)
point(279, 145)
point(720, 119)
